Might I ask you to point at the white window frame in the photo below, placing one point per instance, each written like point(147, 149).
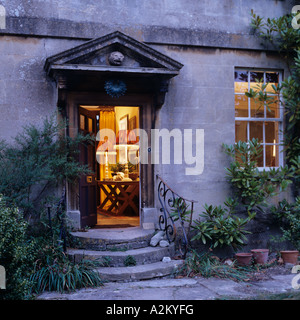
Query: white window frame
point(264, 119)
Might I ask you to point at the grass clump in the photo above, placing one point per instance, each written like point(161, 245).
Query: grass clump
point(206, 265)
point(129, 261)
point(62, 275)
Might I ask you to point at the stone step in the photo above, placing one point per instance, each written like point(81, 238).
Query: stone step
point(114, 246)
point(140, 272)
point(113, 239)
point(117, 258)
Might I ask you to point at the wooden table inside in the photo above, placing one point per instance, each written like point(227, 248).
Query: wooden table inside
point(120, 195)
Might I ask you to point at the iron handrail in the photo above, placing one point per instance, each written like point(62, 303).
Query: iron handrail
point(174, 207)
point(60, 213)
point(60, 210)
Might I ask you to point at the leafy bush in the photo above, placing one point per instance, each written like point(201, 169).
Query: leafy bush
point(288, 215)
point(39, 159)
point(251, 186)
point(280, 32)
point(221, 227)
point(52, 269)
point(180, 207)
point(17, 253)
point(36, 262)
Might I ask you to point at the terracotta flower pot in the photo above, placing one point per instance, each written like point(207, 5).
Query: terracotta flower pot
point(243, 259)
point(260, 256)
point(290, 256)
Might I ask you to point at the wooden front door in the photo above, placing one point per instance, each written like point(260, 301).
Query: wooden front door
point(88, 183)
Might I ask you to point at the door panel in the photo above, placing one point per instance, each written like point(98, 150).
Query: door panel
point(88, 183)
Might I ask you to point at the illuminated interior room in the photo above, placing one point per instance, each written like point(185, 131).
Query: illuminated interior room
point(117, 163)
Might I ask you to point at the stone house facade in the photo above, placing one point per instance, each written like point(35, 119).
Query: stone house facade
point(184, 64)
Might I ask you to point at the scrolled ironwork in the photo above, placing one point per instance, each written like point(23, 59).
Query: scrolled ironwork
point(60, 214)
point(174, 208)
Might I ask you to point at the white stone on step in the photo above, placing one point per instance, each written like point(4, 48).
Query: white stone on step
point(156, 238)
point(166, 259)
point(164, 243)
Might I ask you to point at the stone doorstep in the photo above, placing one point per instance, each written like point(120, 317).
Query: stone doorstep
point(116, 258)
point(141, 272)
point(116, 234)
point(114, 239)
point(116, 244)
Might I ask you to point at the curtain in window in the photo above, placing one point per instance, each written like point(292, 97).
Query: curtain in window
point(107, 120)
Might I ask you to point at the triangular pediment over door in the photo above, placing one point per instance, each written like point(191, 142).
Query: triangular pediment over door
point(115, 54)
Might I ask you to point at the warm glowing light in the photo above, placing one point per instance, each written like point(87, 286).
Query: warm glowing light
point(274, 149)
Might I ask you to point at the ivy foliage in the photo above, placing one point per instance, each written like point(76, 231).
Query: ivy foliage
point(251, 186)
point(282, 34)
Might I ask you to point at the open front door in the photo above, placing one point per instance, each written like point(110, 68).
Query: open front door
point(88, 183)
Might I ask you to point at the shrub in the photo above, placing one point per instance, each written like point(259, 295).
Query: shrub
point(251, 186)
point(221, 227)
point(39, 159)
point(17, 253)
point(288, 215)
point(53, 270)
point(281, 33)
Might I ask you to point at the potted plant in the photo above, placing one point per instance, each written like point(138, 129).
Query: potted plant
point(290, 256)
point(132, 168)
point(115, 168)
point(260, 256)
point(243, 258)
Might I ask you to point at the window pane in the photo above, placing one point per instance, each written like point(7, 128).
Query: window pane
point(255, 79)
point(256, 131)
point(260, 160)
point(272, 156)
point(241, 131)
point(273, 109)
point(256, 109)
point(256, 76)
point(271, 132)
point(241, 81)
point(272, 77)
point(241, 105)
point(90, 125)
point(263, 129)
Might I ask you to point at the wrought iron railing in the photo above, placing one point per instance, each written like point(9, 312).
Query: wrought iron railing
point(175, 210)
point(60, 214)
